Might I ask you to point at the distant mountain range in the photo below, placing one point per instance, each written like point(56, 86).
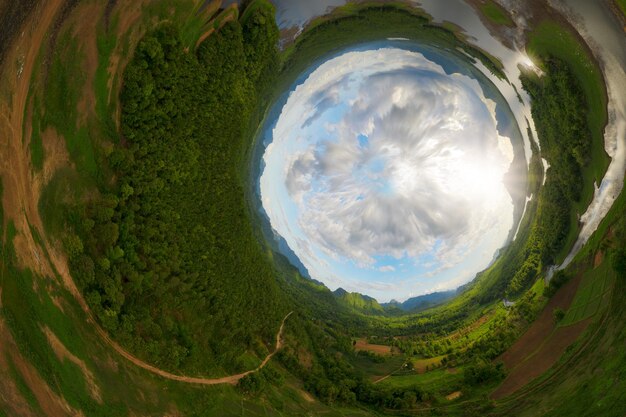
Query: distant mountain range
point(359, 302)
point(368, 305)
point(421, 302)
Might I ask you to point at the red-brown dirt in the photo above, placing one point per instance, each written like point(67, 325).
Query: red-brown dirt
point(542, 344)
point(541, 329)
point(361, 344)
point(542, 360)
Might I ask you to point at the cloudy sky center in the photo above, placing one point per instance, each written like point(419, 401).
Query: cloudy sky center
point(385, 175)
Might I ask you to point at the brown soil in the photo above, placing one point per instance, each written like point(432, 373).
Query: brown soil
point(454, 395)
point(288, 36)
point(542, 344)
point(422, 365)
point(84, 30)
point(11, 400)
point(128, 30)
point(307, 397)
point(50, 403)
point(542, 328)
point(203, 37)
point(63, 353)
point(462, 332)
point(361, 344)
point(542, 360)
point(20, 199)
point(211, 9)
point(56, 156)
point(597, 260)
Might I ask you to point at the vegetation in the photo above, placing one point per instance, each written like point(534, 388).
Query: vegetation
point(622, 6)
point(559, 111)
point(496, 13)
point(166, 252)
point(550, 41)
point(164, 267)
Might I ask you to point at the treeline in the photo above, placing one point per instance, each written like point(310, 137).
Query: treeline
point(166, 256)
point(559, 111)
point(320, 356)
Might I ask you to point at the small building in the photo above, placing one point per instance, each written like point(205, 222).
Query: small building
point(508, 303)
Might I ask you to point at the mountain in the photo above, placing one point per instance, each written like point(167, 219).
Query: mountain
point(358, 302)
point(421, 302)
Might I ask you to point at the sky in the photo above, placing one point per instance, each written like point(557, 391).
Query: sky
point(384, 175)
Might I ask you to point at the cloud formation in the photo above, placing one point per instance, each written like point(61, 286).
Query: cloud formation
point(385, 172)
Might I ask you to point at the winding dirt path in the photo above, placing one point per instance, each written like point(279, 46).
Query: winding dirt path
point(20, 197)
point(231, 379)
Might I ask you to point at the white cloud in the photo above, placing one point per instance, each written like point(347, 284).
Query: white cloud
point(412, 165)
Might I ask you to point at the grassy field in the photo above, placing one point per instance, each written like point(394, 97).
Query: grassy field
point(588, 379)
point(550, 38)
point(31, 302)
point(495, 13)
point(374, 370)
point(593, 294)
point(439, 381)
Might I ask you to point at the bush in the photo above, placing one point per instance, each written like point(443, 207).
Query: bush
point(482, 372)
point(558, 314)
point(618, 261)
point(558, 280)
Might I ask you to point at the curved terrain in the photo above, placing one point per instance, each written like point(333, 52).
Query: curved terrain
point(547, 349)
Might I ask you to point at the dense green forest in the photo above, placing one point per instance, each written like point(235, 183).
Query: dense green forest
point(167, 258)
point(559, 111)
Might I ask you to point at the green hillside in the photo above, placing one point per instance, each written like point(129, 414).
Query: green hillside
point(135, 274)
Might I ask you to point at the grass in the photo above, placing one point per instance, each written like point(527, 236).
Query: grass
point(496, 14)
point(438, 382)
point(36, 147)
point(420, 364)
point(593, 293)
point(106, 101)
point(60, 103)
point(23, 388)
point(64, 188)
point(551, 39)
point(588, 380)
point(375, 370)
point(622, 6)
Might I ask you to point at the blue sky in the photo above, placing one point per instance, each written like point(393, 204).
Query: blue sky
point(384, 175)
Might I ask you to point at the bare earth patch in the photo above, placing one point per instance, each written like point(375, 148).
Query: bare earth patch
point(85, 31)
point(307, 397)
point(454, 395)
point(422, 365)
point(597, 260)
point(541, 329)
point(361, 344)
point(542, 345)
point(63, 353)
point(11, 400)
point(466, 330)
point(56, 156)
point(50, 403)
point(542, 360)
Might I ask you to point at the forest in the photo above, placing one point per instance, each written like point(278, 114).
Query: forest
point(166, 256)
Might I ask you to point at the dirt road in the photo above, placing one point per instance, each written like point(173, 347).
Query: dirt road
point(20, 196)
point(231, 379)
